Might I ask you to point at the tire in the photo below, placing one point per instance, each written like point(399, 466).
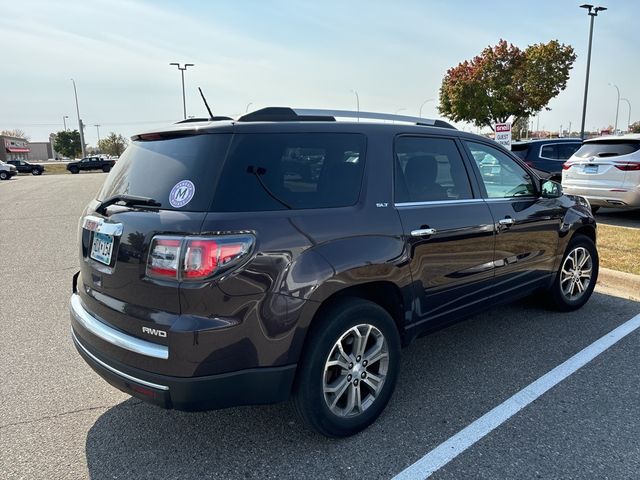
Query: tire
point(595, 208)
point(74, 170)
point(341, 323)
point(565, 278)
point(4, 176)
point(106, 168)
point(36, 171)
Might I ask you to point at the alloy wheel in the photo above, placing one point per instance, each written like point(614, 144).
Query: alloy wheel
point(576, 273)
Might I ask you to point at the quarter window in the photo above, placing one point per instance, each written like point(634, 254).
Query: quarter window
point(429, 169)
point(549, 151)
point(501, 175)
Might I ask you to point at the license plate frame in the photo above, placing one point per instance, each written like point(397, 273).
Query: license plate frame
point(102, 248)
point(590, 169)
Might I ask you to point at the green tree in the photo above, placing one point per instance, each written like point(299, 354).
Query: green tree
point(114, 144)
point(520, 128)
point(505, 81)
point(634, 127)
point(16, 132)
point(67, 143)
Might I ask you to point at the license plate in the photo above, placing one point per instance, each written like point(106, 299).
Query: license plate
point(102, 247)
point(591, 169)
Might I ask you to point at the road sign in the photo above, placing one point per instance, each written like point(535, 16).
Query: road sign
point(503, 134)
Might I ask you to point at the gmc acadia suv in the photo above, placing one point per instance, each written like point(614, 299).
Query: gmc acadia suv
point(289, 254)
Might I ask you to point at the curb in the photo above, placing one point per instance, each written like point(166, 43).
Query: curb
point(625, 284)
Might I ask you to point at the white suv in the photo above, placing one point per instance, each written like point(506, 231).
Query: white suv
point(606, 171)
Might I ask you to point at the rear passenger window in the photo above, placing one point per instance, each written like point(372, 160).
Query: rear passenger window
point(549, 151)
point(567, 150)
point(429, 169)
point(297, 170)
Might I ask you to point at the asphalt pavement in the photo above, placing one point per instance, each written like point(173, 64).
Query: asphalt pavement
point(58, 419)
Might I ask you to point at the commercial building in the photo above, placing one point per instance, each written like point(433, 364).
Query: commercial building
point(13, 148)
point(40, 151)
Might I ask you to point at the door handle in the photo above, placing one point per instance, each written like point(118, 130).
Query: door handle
point(506, 221)
point(422, 232)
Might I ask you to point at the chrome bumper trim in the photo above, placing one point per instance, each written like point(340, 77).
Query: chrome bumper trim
point(113, 336)
point(115, 370)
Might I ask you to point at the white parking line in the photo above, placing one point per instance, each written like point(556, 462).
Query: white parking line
point(465, 438)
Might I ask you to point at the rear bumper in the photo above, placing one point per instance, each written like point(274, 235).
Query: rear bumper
point(245, 387)
point(605, 197)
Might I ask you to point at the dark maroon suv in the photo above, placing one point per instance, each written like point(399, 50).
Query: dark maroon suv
point(289, 254)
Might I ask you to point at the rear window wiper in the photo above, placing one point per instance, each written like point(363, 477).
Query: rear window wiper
point(128, 200)
point(258, 172)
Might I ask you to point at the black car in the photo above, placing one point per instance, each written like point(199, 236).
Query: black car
point(91, 163)
point(547, 155)
point(214, 273)
point(26, 167)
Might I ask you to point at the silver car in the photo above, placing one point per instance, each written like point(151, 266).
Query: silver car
point(606, 171)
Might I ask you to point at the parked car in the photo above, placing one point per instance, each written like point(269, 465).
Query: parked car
point(606, 171)
point(7, 171)
point(91, 163)
point(26, 167)
point(547, 155)
point(210, 276)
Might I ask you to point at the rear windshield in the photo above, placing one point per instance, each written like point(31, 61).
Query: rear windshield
point(520, 150)
point(611, 148)
point(182, 168)
point(277, 171)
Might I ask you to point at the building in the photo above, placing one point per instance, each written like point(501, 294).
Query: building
point(39, 151)
point(13, 148)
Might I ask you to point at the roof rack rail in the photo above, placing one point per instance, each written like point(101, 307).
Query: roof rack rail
point(286, 114)
point(203, 119)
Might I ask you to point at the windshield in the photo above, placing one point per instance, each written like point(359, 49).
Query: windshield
point(611, 148)
point(178, 173)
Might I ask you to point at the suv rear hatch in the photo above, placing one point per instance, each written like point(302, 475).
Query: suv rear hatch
point(602, 164)
point(176, 173)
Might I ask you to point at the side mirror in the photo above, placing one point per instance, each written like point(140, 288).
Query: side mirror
point(550, 189)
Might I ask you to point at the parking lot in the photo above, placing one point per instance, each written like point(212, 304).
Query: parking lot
point(60, 420)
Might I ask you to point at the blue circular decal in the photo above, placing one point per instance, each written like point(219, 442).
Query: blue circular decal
point(182, 193)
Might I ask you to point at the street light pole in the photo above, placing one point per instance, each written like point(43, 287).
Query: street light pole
point(424, 103)
point(248, 105)
point(357, 102)
point(98, 130)
point(80, 125)
point(64, 121)
point(629, 120)
point(615, 128)
point(593, 13)
point(184, 101)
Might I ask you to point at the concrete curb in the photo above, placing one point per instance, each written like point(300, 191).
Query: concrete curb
point(625, 284)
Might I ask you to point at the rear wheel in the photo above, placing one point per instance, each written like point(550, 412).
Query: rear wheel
point(577, 275)
point(4, 175)
point(349, 369)
point(106, 168)
point(36, 171)
point(74, 170)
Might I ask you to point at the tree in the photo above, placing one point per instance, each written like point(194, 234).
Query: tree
point(16, 132)
point(67, 143)
point(634, 127)
point(520, 128)
point(505, 81)
point(114, 144)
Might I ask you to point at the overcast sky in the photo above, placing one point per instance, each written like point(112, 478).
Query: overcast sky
point(288, 53)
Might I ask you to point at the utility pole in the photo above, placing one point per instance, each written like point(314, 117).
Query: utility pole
point(64, 121)
point(184, 101)
point(80, 124)
point(593, 13)
point(98, 130)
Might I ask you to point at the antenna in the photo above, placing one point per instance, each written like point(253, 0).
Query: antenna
point(205, 103)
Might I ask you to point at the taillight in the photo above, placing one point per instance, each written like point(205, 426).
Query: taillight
point(628, 166)
point(196, 258)
point(164, 258)
point(566, 165)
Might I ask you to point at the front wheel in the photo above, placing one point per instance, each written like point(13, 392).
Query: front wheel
point(4, 176)
point(349, 369)
point(106, 168)
point(74, 170)
point(577, 276)
point(35, 171)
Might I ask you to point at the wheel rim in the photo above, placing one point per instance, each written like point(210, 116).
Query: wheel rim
point(576, 273)
point(355, 370)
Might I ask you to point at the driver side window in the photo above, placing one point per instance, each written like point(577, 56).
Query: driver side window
point(501, 175)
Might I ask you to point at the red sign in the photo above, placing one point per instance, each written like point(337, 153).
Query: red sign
point(503, 127)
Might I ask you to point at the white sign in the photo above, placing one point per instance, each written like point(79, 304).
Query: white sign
point(503, 134)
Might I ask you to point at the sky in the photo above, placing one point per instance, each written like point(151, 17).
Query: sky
point(309, 54)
